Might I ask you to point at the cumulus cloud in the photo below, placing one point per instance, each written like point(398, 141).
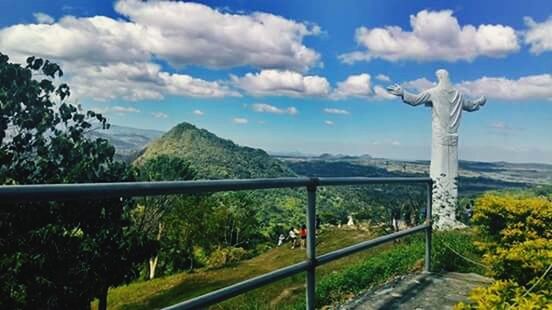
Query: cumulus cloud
point(383, 78)
point(192, 33)
point(43, 18)
point(329, 123)
point(539, 35)
point(354, 86)
point(159, 115)
point(240, 120)
point(435, 35)
point(381, 93)
point(140, 81)
point(523, 88)
point(267, 108)
point(418, 84)
point(282, 83)
point(336, 111)
point(188, 34)
point(198, 112)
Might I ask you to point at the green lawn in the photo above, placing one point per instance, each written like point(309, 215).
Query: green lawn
point(336, 280)
point(172, 289)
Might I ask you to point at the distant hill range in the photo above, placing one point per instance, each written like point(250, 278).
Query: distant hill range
point(213, 157)
point(126, 140)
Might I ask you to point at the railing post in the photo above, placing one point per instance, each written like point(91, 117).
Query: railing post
point(311, 243)
point(427, 260)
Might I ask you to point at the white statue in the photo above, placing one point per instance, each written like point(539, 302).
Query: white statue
point(350, 221)
point(447, 105)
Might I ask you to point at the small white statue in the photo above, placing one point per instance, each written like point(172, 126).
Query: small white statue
point(350, 221)
point(447, 105)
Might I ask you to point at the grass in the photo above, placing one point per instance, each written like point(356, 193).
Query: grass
point(335, 280)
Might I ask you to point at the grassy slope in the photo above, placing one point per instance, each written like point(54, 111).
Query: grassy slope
point(168, 290)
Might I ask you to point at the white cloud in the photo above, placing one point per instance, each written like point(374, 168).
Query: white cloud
point(282, 83)
point(120, 110)
point(418, 84)
point(383, 78)
point(125, 49)
point(523, 88)
point(354, 86)
point(435, 35)
point(140, 81)
point(43, 18)
point(336, 111)
point(267, 108)
point(198, 112)
point(192, 33)
point(329, 123)
point(382, 93)
point(539, 35)
point(240, 121)
point(159, 115)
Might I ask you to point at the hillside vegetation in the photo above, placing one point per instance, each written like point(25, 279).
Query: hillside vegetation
point(213, 157)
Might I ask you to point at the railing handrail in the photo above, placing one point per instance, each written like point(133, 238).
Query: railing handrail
point(58, 192)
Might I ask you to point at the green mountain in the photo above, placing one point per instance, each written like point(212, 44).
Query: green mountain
point(213, 157)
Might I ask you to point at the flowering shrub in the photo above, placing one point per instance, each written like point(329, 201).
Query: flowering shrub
point(518, 250)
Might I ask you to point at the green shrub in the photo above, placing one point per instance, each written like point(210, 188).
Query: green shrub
point(518, 249)
point(505, 294)
point(225, 256)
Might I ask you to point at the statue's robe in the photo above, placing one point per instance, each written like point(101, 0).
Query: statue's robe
point(447, 105)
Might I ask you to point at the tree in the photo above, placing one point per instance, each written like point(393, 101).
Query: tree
point(59, 254)
point(151, 217)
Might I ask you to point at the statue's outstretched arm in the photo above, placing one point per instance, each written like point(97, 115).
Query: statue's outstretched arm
point(414, 100)
point(411, 99)
point(473, 105)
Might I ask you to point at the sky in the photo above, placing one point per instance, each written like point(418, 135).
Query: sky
point(302, 76)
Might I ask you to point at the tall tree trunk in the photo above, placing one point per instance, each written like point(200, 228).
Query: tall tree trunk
point(103, 298)
point(153, 261)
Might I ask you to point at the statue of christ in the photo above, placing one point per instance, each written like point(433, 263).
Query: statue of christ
point(447, 104)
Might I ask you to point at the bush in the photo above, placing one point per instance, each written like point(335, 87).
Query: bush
point(518, 249)
point(505, 294)
point(222, 257)
point(519, 236)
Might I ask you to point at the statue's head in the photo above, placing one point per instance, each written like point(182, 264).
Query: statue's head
point(442, 76)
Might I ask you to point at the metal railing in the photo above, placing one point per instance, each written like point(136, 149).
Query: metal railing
point(59, 192)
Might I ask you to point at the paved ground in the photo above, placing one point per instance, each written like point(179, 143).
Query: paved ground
point(420, 292)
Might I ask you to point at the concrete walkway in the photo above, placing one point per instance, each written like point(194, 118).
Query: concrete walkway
point(420, 292)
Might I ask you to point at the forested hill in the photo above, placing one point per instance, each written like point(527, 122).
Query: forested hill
point(213, 157)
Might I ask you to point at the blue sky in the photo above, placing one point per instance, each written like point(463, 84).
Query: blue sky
point(303, 76)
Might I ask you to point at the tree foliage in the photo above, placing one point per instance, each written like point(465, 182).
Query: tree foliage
point(58, 254)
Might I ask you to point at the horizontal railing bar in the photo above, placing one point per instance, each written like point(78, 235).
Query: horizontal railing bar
point(38, 192)
point(328, 257)
point(370, 180)
point(241, 287)
point(130, 189)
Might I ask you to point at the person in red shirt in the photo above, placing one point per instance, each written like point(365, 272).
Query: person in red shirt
point(303, 235)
